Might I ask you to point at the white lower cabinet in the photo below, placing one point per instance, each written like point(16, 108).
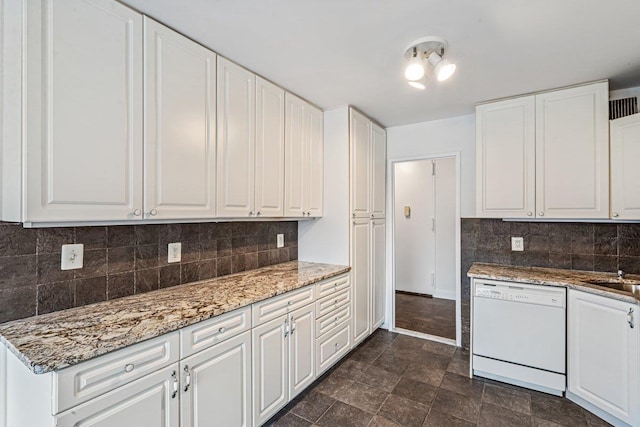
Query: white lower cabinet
point(604, 357)
point(218, 391)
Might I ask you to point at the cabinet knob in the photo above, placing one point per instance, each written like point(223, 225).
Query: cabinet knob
point(251, 213)
point(222, 330)
point(128, 367)
point(259, 213)
point(615, 215)
point(540, 213)
point(354, 215)
point(372, 216)
point(153, 212)
point(137, 212)
point(529, 213)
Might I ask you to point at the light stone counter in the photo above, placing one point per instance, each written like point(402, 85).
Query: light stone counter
point(60, 339)
point(572, 279)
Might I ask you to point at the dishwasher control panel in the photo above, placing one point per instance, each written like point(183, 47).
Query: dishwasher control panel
point(541, 295)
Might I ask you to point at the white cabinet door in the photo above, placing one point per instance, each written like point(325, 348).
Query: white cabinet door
point(378, 272)
point(360, 276)
point(603, 354)
point(625, 173)
point(236, 140)
point(148, 402)
point(302, 354)
point(360, 129)
point(270, 346)
point(505, 158)
point(572, 152)
point(220, 385)
point(84, 109)
point(294, 156)
point(314, 173)
point(269, 169)
point(180, 126)
point(378, 171)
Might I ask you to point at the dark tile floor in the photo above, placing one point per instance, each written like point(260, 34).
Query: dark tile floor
point(398, 380)
point(433, 316)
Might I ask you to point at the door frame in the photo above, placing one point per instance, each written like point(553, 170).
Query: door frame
point(391, 254)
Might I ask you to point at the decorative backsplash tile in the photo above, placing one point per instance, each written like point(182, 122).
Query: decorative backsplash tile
point(575, 246)
point(126, 260)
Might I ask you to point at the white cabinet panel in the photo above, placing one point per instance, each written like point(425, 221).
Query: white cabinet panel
point(360, 128)
point(180, 126)
point(294, 156)
point(146, 402)
point(302, 354)
point(269, 166)
point(378, 272)
point(314, 173)
point(625, 173)
point(603, 354)
point(236, 140)
point(361, 278)
point(207, 333)
point(378, 171)
point(84, 110)
point(331, 347)
point(505, 158)
point(220, 385)
point(572, 152)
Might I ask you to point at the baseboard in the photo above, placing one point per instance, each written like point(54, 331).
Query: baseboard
point(445, 294)
point(414, 294)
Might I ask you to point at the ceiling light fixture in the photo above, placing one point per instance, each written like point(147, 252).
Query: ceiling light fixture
point(423, 52)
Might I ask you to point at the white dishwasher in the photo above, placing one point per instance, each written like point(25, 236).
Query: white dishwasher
point(519, 334)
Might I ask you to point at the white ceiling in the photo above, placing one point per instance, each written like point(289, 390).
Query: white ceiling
point(337, 52)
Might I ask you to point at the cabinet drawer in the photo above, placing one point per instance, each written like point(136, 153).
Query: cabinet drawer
point(330, 286)
point(332, 347)
point(277, 306)
point(332, 302)
point(197, 337)
point(327, 323)
point(79, 383)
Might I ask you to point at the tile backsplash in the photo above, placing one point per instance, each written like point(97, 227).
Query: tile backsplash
point(576, 246)
point(126, 260)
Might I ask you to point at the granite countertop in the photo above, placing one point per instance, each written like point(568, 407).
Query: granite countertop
point(56, 340)
point(573, 279)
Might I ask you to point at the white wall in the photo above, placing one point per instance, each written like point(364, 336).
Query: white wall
point(456, 134)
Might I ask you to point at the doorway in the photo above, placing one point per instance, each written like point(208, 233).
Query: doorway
point(425, 232)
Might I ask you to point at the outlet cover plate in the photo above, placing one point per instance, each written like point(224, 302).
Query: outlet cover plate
point(174, 252)
point(280, 241)
point(72, 257)
point(517, 244)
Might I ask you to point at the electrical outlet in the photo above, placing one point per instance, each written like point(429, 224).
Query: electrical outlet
point(517, 244)
point(280, 241)
point(175, 252)
point(72, 257)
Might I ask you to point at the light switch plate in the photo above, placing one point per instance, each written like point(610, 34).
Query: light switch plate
point(280, 241)
point(72, 257)
point(174, 252)
point(517, 244)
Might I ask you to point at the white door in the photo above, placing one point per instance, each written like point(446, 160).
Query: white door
point(314, 174)
point(180, 126)
point(269, 185)
point(84, 110)
point(378, 272)
point(236, 140)
point(572, 152)
point(147, 402)
point(302, 354)
point(270, 346)
point(603, 354)
point(220, 385)
point(360, 143)
point(625, 173)
point(505, 158)
point(361, 278)
point(294, 156)
point(378, 171)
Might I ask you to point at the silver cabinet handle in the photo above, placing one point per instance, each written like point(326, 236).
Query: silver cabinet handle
point(153, 212)
point(529, 213)
point(541, 214)
point(615, 214)
point(137, 212)
point(174, 385)
point(128, 367)
point(293, 325)
point(187, 378)
point(630, 318)
point(222, 330)
point(286, 327)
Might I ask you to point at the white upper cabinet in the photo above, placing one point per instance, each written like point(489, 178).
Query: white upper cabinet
point(544, 155)
point(303, 195)
point(572, 152)
point(269, 166)
point(505, 158)
point(625, 173)
point(83, 111)
point(180, 124)
point(378, 171)
point(360, 128)
point(236, 140)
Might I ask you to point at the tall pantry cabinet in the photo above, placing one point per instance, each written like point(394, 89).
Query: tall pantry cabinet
point(367, 148)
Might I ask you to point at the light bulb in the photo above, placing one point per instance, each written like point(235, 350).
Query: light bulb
point(415, 69)
point(444, 70)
